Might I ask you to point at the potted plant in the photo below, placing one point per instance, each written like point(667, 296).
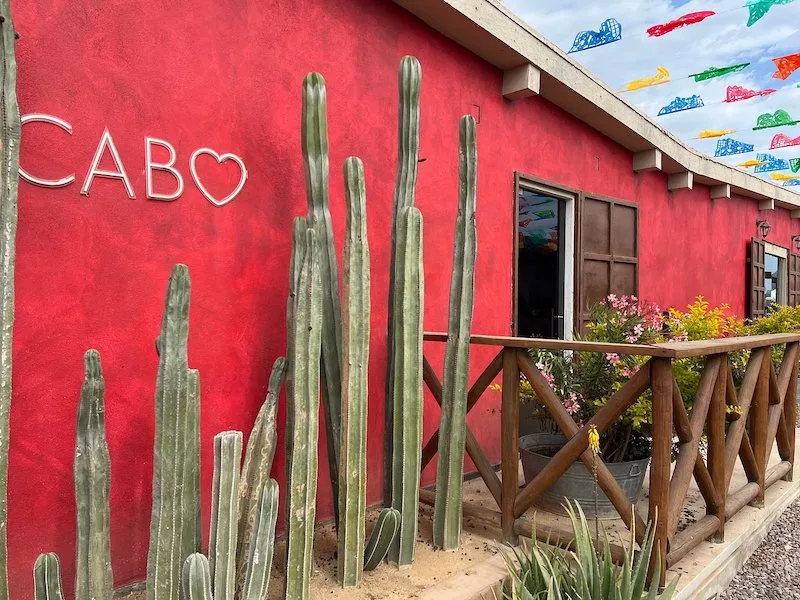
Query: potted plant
point(585, 381)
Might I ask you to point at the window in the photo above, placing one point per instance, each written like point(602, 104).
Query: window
point(774, 277)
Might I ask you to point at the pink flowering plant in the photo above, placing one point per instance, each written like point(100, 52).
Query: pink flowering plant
point(585, 381)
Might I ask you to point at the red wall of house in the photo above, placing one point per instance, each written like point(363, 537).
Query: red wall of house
point(92, 271)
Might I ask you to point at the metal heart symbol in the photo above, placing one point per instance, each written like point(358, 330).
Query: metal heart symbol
point(220, 158)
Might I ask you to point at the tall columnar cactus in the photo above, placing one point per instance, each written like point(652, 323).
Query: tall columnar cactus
point(196, 578)
point(191, 540)
point(259, 559)
point(455, 384)
point(315, 159)
point(299, 228)
point(92, 470)
point(302, 438)
point(9, 181)
point(256, 470)
point(47, 577)
point(407, 397)
point(224, 512)
point(355, 317)
point(409, 81)
point(174, 520)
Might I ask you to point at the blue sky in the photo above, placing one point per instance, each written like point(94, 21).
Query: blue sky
point(718, 41)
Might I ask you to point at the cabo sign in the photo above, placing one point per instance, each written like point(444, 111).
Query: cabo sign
point(107, 146)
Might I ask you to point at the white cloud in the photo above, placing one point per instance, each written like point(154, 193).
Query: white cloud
point(718, 41)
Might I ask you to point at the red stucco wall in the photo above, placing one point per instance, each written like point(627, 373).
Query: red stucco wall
point(91, 271)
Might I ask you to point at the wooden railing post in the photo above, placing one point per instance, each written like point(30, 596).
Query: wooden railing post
point(661, 382)
point(509, 433)
point(790, 416)
point(759, 424)
point(716, 446)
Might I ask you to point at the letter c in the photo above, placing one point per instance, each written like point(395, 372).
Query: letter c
point(61, 123)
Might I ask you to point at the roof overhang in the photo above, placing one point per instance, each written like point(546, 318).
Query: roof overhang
point(492, 32)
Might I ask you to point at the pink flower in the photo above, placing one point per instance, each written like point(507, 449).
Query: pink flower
point(549, 379)
point(613, 358)
point(630, 371)
point(571, 403)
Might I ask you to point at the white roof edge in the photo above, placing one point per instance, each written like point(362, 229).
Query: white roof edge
point(492, 32)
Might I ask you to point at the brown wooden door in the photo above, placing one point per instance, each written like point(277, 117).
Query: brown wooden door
point(794, 279)
point(756, 279)
point(609, 252)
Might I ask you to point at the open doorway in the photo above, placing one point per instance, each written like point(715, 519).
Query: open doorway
point(544, 261)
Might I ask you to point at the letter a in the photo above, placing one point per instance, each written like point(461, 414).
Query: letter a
point(94, 171)
point(150, 166)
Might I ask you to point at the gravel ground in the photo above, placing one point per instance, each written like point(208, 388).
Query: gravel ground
point(773, 571)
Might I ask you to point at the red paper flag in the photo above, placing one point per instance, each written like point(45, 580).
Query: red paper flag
point(784, 141)
point(688, 19)
point(786, 65)
point(734, 93)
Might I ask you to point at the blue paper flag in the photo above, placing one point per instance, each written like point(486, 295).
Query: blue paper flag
point(791, 182)
point(680, 104)
point(610, 31)
point(771, 163)
point(728, 146)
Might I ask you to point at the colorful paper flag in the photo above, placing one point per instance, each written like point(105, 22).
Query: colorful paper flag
point(758, 8)
point(782, 140)
point(681, 104)
point(610, 31)
point(713, 133)
point(688, 19)
point(780, 118)
point(712, 72)
point(786, 65)
point(770, 163)
point(794, 164)
point(783, 176)
point(661, 76)
point(735, 93)
point(728, 146)
point(750, 163)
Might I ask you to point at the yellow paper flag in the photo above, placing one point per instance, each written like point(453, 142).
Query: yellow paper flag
point(783, 176)
point(661, 76)
point(752, 163)
point(713, 133)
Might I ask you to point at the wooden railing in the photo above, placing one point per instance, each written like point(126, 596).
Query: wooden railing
point(766, 398)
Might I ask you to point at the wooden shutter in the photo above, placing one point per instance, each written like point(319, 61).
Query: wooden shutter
point(794, 279)
point(756, 280)
point(609, 252)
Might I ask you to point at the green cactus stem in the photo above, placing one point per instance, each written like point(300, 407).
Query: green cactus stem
point(381, 538)
point(256, 469)
point(9, 182)
point(190, 501)
point(356, 315)
point(174, 520)
point(303, 437)
point(407, 398)
point(224, 513)
point(315, 159)
point(259, 560)
point(409, 83)
point(47, 577)
point(196, 578)
point(455, 384)
point(299, 228)
point(92, 467)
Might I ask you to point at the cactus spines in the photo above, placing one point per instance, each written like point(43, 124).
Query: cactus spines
point(407, 397)
point(259, 560)
point(92, 470)
point(47, 577)
point(224, 512)
point(9, 182)
point(381, 538)
point(303, 437)
point(355, 319)
point(173, 526)
point(256, 469)
point(409, 83)
point(196, 578)
point(455, 383)
point(315, 160)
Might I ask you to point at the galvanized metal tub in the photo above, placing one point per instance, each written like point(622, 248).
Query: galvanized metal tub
point(577, 483)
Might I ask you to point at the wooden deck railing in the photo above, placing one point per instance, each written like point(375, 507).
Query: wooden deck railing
point(766, 398)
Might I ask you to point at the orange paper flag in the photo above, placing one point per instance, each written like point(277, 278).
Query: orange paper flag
point(786, 65)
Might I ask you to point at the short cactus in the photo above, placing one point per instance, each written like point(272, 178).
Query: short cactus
point(356, 315)
point(196, 578)
point(9, 183)
point(47, 577)
point(455, 384)
point(315, 159)
point(224, 512)
point(259, 558)
point(302, 438)
point(409, 83)
point(407, 397)
point(381, 538)
point(174, 520)
point(256, 469)
point(92, 471)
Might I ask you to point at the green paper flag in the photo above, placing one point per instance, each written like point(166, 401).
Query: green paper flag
point(794, 163)
point(712, 72)
point(758, 8)
point(780, 118)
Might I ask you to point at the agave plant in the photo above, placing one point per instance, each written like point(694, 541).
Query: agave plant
point(545, 572)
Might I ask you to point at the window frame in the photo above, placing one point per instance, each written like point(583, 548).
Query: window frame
point(782, 254)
